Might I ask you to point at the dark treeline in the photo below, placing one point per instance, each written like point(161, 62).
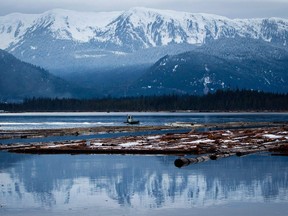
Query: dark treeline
point(228, 100)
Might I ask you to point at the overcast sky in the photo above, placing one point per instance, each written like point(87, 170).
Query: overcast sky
point(229, 8)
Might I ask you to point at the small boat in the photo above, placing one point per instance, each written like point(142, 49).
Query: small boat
point(130, 120)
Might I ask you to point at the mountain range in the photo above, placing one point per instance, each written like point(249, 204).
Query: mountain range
point(117, 52)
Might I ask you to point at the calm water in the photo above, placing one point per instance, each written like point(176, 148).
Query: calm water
point(141, 185)
point(70, 120)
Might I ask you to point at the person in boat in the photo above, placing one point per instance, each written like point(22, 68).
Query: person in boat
point(130, 119)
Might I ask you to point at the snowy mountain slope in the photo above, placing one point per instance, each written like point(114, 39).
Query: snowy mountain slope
point(13, 27)
point(61, 24)
point(58, 38)
point(244, 64)
point(145, 27)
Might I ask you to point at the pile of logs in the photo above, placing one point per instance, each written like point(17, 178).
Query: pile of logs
point(211, 145)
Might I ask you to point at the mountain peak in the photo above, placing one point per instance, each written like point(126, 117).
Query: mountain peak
point(148, 27)
point(94, 36)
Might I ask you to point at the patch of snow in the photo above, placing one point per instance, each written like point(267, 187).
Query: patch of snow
point(60, 145)
point(196, 136)
point(202, 141)
point(267, 80)
point(207, 80)
point(230, 141)
point(227, 133)
point(119, 53)
point(129, 144)
point(206, 68)
point(239, 138)
point(97, 144)
point(237, 147)
point(175, 67)
point(272, 136)
point(148, 146)
point(153, 137)
point(181, 124)
point(78, 56)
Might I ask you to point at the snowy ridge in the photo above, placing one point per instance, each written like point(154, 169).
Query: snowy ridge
point(136, 28)
point(77, 26)
point(62, 24)
point(13, 27)
point(67, 40)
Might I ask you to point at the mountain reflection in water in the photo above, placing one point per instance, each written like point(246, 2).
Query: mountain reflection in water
point(107, 183)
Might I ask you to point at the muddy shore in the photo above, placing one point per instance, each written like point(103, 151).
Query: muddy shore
point(215, 139)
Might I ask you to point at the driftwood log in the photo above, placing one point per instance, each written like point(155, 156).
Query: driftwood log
point(180, 162)
point(268, 146)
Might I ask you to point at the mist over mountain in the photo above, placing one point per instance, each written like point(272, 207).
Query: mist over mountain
point(113, 51)
point(20, 80)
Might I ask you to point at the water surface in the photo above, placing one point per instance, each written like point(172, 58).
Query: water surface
point(142, 185)
point(20, 121)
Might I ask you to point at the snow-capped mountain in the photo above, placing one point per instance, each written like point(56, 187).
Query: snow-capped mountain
point(60, 38)
point(58, 23)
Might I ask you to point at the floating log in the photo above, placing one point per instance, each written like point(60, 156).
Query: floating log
point(9, 147)
point(202, 159)
point(251, 151)
point(180, 162)
point(218, 156)
point(268, 146)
